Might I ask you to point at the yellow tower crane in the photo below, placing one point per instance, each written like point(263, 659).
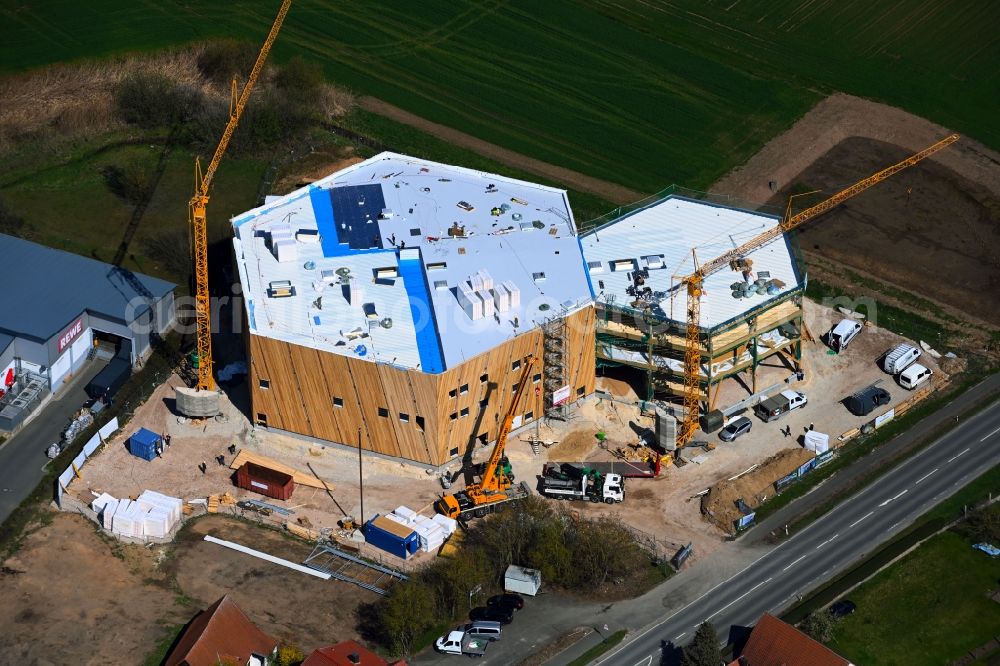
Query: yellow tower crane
point(199, 202)
point(693, 282)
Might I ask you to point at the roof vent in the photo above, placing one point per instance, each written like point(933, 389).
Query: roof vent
point(309, 265)
point(386, 322)
point(354, 658)
point(539, 276)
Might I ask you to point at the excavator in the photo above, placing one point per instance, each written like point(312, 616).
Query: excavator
point(496, 482)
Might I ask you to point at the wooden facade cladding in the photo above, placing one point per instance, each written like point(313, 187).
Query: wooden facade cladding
point(429, 418)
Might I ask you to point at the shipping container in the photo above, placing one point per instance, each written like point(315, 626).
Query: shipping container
point(143, 444)
point(266, 481)
point(392, 537)
point(522, 580)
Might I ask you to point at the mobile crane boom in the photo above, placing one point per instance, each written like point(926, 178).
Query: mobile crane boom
point(693, 282)
point(199, 202)
point(494, 485)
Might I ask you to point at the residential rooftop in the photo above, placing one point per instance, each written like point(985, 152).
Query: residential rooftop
point(637, 261)
point(409, 262)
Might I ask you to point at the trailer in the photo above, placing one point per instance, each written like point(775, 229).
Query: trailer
point(775, 406)
point(628, 469)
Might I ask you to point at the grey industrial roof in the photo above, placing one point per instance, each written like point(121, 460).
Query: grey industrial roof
point(53, 287)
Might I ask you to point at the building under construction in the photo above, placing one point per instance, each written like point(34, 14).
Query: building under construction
point(396, 300)
point(749, 314)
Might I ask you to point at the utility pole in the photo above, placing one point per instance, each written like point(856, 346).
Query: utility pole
point(361, 482)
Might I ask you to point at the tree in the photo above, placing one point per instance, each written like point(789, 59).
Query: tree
point(289, 655)
point(819, 626)
point(984, 525)
point(704, 649)
point(406, 613)
point(171, 249)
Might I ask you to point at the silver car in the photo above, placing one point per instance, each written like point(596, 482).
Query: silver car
point(736, 427)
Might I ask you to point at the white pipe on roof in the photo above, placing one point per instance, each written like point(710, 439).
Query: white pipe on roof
point(269, 558)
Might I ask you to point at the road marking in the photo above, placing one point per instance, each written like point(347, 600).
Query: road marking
point(827, 541)
point(893, 525)
point(867, 515)
point(794, 563)
point(926, 475)
point(738, 598)
point(958, 455)
point(990, 435)
point(680, 635)
point(893, 498)
point(645, 662)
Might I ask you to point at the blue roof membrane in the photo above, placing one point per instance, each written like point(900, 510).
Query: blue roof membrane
point(323, 210)
point(424, 321)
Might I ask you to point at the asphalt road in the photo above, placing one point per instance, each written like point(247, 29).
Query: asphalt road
point(22, 458)
point(832, 544)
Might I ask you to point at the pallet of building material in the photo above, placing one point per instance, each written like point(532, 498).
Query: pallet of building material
point(300, 478)
point(303, 532)
point(213, 504)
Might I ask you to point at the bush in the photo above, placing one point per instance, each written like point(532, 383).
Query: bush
point(132, 183)
point(819, 626)
point(302, 81)
point(172, 250)
point(223, 59)
point(10, 222)
point(289, 655)
point(152, 100)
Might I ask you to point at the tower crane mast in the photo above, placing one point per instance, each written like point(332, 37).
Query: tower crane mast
point(199, 203)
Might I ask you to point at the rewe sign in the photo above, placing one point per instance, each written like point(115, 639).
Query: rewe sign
point(75, 329)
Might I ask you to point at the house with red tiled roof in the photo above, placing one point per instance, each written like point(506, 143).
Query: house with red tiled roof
point(347, 653)
point(776, 643)
point(222, 632)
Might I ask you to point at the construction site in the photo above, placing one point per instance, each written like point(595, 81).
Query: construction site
point(422, 344)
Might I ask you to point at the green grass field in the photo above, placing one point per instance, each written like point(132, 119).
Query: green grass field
point(644, 94)
point(68, 205)
point(929, 608)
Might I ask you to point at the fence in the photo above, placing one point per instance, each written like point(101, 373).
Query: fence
point(89, 449)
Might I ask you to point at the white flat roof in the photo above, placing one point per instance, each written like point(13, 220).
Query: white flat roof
point(660, 237)
point(387, 226)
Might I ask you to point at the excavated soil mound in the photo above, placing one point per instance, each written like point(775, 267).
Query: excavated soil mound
point(719, 505)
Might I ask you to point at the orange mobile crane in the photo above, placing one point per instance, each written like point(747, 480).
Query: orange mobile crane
point(496, 484)
point(199, 202)
point(693, 282)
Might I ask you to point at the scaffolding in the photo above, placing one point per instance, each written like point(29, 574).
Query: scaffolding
point(352, 569)
point(554, 368)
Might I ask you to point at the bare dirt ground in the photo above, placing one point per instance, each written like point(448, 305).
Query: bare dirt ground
point(315, 165)
point(613, 192)
point(78, 588)
point(933, 229)
point(666, 507)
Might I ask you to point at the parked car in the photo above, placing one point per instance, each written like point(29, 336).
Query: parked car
point(866, 400)
point(899, 358)
point(736, 428)
point(841, 335)
point(492, 614)
point(914, 376)
point(484, 629)
point(842, 608)
point(509, 600)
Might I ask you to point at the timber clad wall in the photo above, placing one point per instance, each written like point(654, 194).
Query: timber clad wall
point(406, 413)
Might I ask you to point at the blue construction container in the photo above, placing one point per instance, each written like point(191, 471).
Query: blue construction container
point(392, 537)
point(143, 444)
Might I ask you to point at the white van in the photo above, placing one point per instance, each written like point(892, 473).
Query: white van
point(914, 376)
point(842, 334)
point(899, 358)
